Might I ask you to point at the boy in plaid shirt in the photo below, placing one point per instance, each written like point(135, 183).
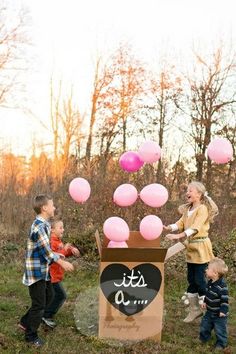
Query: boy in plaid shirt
point(36, 276)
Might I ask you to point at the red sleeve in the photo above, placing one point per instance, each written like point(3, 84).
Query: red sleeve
point(56, 247)
point(68, 252)
point(64, 252)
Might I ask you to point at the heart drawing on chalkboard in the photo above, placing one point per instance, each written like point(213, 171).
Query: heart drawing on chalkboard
point(130, 290)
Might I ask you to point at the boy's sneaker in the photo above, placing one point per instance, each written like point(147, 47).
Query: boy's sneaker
point(49, 322)
point(37, 342)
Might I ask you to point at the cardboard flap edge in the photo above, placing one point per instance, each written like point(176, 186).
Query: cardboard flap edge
point(99, 244)
point(133, 254)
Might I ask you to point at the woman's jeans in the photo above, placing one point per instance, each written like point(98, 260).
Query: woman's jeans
point(197, 278)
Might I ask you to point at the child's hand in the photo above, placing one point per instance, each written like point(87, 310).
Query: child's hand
point(67, 246)
point(203, 306)
point(67, 266)
point(167, 228)
point(75, 251)
point(222, 314)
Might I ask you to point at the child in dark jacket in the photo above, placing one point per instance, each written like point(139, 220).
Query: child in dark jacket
point(57, 272)
point(216, 303)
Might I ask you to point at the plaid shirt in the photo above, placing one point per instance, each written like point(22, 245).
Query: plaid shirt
point(38, 253)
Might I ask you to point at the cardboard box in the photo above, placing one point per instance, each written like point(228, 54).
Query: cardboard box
point(131, 295)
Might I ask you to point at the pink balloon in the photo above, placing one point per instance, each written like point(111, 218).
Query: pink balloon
point(130, 161)
point(220, 150)
point(149, 152)
point(79, 190)
point(116, 229)
point(125, 195)
point(151, 227)
point(114, 244)
point(154, 195)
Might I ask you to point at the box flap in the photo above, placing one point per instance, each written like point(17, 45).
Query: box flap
point(99, 244)
point(136, 240)
point(173, 250)
point(133, 254)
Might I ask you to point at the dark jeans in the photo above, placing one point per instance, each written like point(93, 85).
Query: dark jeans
point(41, 294)
point(212, 321)
point(196, 278)
point(58, 300)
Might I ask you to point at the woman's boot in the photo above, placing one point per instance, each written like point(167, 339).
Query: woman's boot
point(194, 309)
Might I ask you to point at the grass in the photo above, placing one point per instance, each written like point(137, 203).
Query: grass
point(81, 286)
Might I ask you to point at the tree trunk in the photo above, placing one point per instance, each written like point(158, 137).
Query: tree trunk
point(90, 137)
point(124, 134)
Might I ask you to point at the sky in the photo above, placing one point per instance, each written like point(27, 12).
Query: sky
point(67, 35)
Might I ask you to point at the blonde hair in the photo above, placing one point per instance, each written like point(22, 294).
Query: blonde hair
point(54, 221)
point(219, 265)
point(205, 199)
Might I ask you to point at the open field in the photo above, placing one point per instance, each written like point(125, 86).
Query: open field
point(177, 336)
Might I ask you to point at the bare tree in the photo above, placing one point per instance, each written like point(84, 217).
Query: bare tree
point(129, 85)
point(102, 78)
point(120, 100)
point(228, 131)
point(40, 170)
point(209, 93)
point(13, 42)
point(13, 183)
point(165, 89)
point(54, 115)
point(66, 127)
point(71, 122)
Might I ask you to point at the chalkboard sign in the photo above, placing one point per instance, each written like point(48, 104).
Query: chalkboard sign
point(130, 290)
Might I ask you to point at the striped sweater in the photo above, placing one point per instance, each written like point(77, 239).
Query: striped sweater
point(217, 299)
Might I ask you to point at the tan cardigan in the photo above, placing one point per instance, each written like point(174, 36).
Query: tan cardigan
point(198, 251)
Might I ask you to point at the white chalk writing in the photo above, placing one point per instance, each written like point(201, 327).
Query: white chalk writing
point(134, 280)
point(119, 298)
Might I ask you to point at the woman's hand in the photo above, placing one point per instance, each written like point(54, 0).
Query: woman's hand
point(175, 236)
